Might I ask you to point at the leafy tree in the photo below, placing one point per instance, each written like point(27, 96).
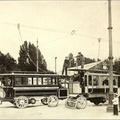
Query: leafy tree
point(116, 66)
point(89, 60)
point(28, 57)
point(7, 63)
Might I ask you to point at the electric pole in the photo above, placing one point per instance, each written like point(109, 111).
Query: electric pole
point(99, 39)
point(111, 95)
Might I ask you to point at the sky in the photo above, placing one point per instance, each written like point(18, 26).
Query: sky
point(61, 27)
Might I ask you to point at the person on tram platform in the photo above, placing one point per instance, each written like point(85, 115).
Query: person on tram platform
point(105, 82)
point(7, 84)
point(65, 66)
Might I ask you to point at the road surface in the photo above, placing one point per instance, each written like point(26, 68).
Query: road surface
point(39, 111)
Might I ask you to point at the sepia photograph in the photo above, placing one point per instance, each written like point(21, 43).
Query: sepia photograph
point(59, 59)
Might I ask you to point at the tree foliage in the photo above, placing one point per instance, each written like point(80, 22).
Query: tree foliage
point(116, 66)
point(89, 60)
point(28, 57)
point(7, 63)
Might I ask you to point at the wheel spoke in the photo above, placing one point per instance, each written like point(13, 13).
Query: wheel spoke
point(21, 102)
point(52, 101)
point(81, 102)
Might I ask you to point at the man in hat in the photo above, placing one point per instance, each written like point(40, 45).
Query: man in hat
point(115, 103)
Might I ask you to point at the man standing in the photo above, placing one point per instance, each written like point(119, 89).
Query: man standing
point(115, 103)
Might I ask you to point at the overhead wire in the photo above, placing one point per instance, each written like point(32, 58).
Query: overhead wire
point(72, 32)
point(89, 17)
point(75, 31)
point(18, 26)
point(54, 30)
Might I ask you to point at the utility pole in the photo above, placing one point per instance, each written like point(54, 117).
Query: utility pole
point(99, 39)
point(55, 65)
point(111, 94)
point(37, 56)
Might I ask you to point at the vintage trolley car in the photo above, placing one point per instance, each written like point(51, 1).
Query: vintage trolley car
point(22, 89)
point(94, 85)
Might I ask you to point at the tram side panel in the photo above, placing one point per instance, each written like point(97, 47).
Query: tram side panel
point(98, 91)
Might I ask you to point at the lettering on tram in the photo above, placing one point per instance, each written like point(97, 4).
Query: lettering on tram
point(24, 89)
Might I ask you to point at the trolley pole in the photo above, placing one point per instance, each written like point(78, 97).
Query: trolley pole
point(37, 56)
point(111, 95)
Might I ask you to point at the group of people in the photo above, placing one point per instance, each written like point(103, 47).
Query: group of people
point(69, 62)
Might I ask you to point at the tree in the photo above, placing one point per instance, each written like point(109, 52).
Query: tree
point(116, 66)
point(7, 63)
point(28, 57)
point(89, 60)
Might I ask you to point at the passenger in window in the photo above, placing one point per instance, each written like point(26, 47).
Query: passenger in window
point(18, 83)
point(95, 81)
point(105, 82)
point(1, 82)
point(9, 82)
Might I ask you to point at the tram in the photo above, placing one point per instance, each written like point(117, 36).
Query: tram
point(94, 85)
point(22, 89)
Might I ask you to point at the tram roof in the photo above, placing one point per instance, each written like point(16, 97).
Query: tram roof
point(90, 70)
point(101, 74)
point(30, 74)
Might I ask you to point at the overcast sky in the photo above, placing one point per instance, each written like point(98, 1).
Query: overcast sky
point(62, 27)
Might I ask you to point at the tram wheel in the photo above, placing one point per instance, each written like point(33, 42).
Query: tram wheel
point(52, 101)
point(32, 101)
point(44, 101)
point(21, 102)
point(96, 103)
point(81, 102)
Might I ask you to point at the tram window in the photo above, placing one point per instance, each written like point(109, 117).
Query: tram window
point(39, 81)
point(105, 81)
point(119, 81)
point(49, 81)
point(95, 80)
point(90, 79)
point(29, 81)
point(114, 80)
point(53, 81)
point(34, 81)
point(85, 80)
point(44, 81)
point(20, 81)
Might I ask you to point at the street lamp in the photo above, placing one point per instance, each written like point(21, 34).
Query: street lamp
point(55, 65)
